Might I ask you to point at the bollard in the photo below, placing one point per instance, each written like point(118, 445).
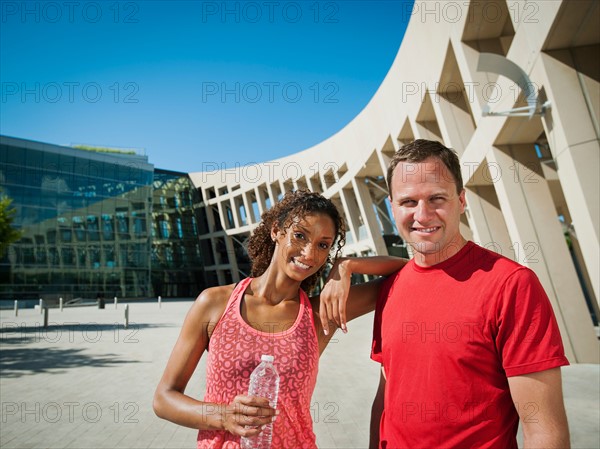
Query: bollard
point(115, 302)
point(126, 316)
point(41, 306)
point(159, 302)
point(45, 317)
point(16, 307)
point(60, 303)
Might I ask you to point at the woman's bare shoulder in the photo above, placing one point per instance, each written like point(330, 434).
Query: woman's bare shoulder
point(211, 302)
point(216, 294)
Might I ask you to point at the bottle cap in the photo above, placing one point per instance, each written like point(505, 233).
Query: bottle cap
point(267, 358)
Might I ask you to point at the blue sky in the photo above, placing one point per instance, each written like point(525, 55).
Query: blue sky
point(193, 83)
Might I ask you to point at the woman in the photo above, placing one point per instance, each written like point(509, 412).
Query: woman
point(268, 313)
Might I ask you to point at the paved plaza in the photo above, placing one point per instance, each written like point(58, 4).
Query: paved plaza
point(86, 382)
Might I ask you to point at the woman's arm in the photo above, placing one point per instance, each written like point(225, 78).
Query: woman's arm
point(341, 302)
point(172, 404)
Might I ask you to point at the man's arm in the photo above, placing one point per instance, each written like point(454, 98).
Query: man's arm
point(538, 399)
point(377, 411)
point(361, 298)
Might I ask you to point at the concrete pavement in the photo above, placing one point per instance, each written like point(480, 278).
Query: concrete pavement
point(85, 382)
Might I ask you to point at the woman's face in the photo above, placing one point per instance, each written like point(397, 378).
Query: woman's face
point(303, 247)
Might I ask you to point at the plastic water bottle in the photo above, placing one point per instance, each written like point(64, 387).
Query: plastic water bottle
point(264, 383)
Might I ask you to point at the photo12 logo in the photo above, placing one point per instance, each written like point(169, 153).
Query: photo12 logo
point(269, 92)
point(69, 12)
point(69, 412)
point(269, 171)
point(71, 332)
point(270, 12)
point(439, 11)
point(69, 92)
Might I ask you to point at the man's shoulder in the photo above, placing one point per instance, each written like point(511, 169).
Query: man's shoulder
point(390, 284)
point(487, 258)
point(497, 271)
point(389, 281)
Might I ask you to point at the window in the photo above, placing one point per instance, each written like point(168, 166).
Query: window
point(108, 232)
point(164, 229)
point(79, 228)
point(179, 227)
point(92, 226)
point(139, 225)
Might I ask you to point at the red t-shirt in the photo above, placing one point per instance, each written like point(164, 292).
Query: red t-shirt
point(448, 337)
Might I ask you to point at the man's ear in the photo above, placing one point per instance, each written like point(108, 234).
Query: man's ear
point(462, 200)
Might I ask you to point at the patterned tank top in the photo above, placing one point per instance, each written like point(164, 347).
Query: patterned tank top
point(235, 348)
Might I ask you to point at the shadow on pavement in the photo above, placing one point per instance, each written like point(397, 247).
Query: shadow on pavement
point(32, 359)
point(19, 362)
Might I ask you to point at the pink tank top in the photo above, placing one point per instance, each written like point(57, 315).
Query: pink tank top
point(234, 351)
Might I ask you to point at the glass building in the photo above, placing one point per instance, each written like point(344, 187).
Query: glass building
point(88, 221)
point(177, 268)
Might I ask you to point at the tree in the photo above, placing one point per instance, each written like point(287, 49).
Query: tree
point(8, 234)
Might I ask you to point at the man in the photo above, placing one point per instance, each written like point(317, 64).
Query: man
point(467, 338)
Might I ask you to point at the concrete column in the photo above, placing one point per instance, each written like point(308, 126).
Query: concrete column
point(224, 221)
point(486, 220)
point(323, 174)
point(310, 185)
point(385, 218)
point(235, 274)
point(456, 124)
point(216, 256)
point(316, 182)
point(282, 187)
point(250, 219)
point(240, 202)
point(299, 182)
point(237, 221)
point(220, 277)
point(365, 204)
point(539, 243)
point(384, 161)
point(351, 212)
point(210, 219)
point(272, 195)
point(261, 200)
point(575, 146)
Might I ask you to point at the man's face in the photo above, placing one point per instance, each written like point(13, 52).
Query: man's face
point(427, 209)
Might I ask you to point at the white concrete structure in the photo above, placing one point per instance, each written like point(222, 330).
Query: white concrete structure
point(532, 182)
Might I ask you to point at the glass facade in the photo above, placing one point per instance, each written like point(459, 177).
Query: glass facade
point(85, 219)
point(177, 268)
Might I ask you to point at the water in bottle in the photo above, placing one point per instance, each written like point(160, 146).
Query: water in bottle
point(264, 383)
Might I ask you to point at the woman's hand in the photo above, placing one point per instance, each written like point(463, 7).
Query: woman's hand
point(245, 411)
point(334, 296)
point(340, 301)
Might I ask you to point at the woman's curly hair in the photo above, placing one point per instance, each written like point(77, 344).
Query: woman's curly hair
point(294, 205)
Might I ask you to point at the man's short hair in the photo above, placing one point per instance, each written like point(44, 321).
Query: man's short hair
point(422, 149)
